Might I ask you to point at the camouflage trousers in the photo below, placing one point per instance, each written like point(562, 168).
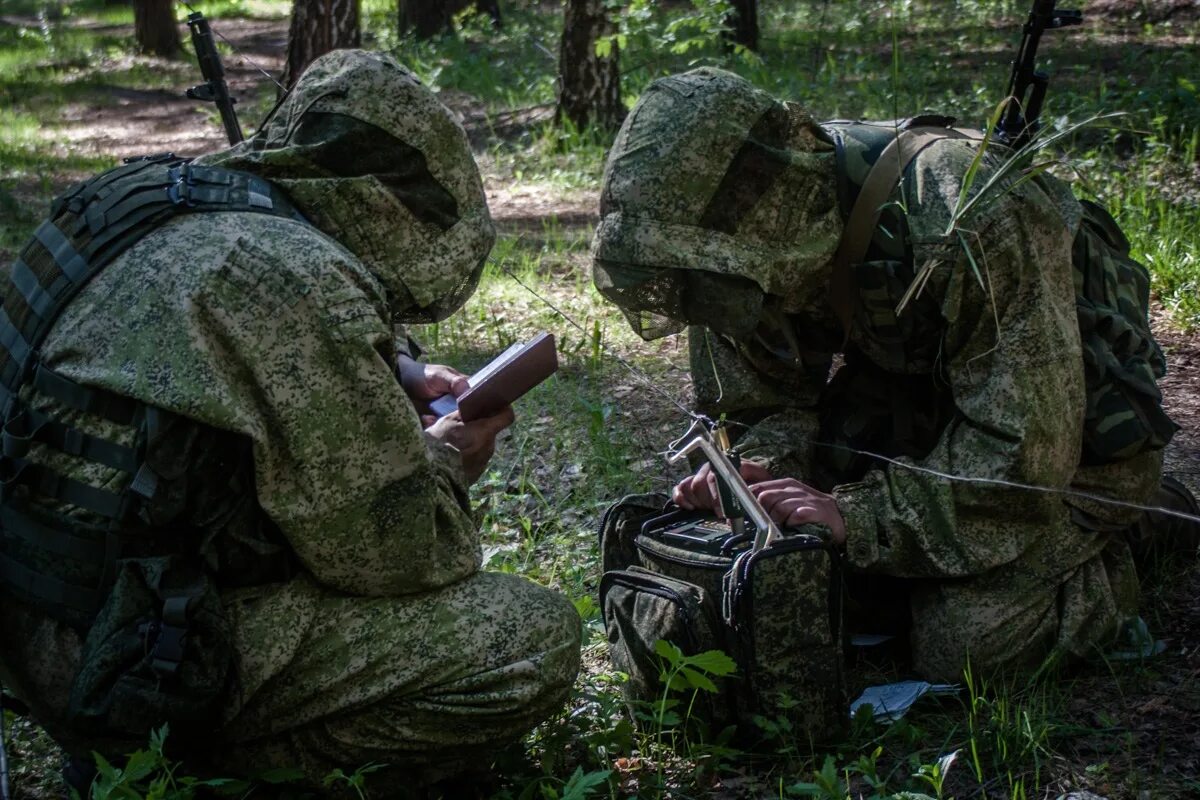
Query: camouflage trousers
point(427, 684)
point(1015, 616)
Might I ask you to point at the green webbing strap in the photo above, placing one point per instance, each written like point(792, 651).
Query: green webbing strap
point(110, 406)
point(86, 550)
point(29, 426)
point(99, 185)
point(39, 299)
point(12, 341)
point(62, 252)
point(116, 239)
point(105, 213)
point(49, 483)
point(44, 589)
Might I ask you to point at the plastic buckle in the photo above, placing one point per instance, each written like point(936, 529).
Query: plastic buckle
point(180, 192)
point(73, 441)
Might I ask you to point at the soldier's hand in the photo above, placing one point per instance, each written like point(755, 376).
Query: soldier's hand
point(699, 491)
point(474, 440)
point(425, 382)
point(790, 502)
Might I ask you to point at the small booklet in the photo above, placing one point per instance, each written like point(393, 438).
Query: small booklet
point(507, 377)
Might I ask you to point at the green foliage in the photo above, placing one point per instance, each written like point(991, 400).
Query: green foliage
point(150, 774)
point(697, 32)
point(593, 432)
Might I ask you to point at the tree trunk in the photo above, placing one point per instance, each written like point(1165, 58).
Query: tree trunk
point(428, 18)
point(589, 84)
point(318, 26)
point(154, 27)
point(743, 24)
point(425, 18)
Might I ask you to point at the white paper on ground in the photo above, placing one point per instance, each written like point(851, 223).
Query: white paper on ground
point(892, 700)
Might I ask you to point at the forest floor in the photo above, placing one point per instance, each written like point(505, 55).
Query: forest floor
point(598, 430)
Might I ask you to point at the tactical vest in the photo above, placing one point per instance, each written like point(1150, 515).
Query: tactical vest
point(65, 562)
point(873, 268)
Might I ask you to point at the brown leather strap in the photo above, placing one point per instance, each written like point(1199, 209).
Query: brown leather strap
point(864, 216)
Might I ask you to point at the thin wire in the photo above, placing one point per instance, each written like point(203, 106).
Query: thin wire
point(237, 51)
point(709, 423)
point(1064, 492)
point(642, 376)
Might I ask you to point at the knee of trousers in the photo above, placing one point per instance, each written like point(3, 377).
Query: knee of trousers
point(956, 628)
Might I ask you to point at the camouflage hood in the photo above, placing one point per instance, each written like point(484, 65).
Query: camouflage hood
point(716, 196)
point(372, 159)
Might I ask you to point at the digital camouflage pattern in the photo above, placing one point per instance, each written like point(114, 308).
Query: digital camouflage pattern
point(786, 608)
point(775, 612)
point(277, 341)
point(979, 377)
point(686, 228)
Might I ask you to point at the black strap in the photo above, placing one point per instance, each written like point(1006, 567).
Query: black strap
point(39, 299)
point(110, 406)
point(171, 641)
point(88, 550)
point(42, 588)
point(18, 349)
point(49, 483)
point(62, 252)
point(29, 426)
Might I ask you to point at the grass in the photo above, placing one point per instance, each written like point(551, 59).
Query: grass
point(596, 431)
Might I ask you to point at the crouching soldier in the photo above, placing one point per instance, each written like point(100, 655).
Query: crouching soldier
point(220, 508)
point(982, 354)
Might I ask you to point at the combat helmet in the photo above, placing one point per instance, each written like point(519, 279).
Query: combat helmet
point(367, 153)
point(716, 197)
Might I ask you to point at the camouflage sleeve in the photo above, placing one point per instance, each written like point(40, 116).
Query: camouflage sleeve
point(772, 405)
point(276, 332)
point(1014, 368)
point(370, 504)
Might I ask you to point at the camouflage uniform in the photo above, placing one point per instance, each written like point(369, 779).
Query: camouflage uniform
point(720, 210)
point(341, 534)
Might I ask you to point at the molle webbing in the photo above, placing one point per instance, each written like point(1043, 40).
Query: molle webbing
point(60, 562)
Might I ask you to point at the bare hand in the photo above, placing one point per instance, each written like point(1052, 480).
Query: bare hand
point(425, 382)
point(790, 503)
point(474, 440)
point(699, 491)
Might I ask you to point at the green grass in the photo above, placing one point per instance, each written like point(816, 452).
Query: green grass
point(595, 431)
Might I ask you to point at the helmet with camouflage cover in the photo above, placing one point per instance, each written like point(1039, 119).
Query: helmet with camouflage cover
point(716, 197)
point(371, 158)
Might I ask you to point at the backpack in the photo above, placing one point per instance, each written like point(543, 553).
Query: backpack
point(157, 645)
point(1121, 360)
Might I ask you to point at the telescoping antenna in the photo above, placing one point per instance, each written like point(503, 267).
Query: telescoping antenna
point(766, 531)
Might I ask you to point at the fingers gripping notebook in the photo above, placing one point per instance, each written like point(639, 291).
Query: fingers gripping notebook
point(506, 378)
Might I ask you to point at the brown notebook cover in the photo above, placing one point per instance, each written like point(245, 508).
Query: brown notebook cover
point(508, 376)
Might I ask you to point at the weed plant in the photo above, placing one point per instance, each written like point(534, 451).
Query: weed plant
point(595, 430)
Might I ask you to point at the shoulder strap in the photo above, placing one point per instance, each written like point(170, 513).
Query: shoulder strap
point(47, 557)
point(880, 181)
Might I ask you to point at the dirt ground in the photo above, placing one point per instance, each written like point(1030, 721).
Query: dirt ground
point(1158, 718)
